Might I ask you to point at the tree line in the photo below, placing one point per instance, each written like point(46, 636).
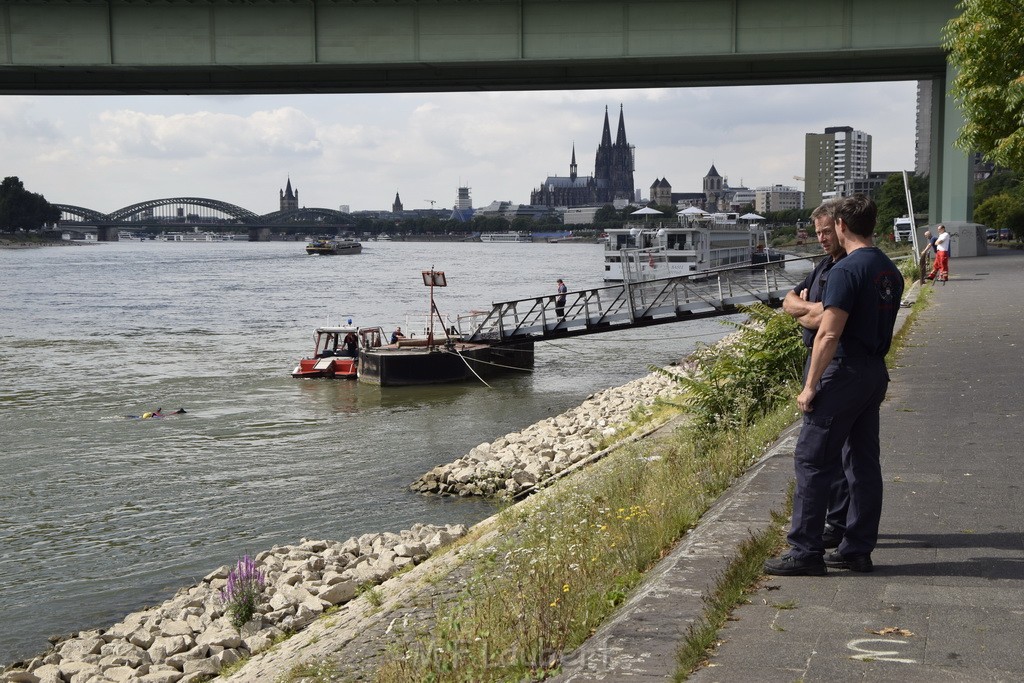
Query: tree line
point(24, 210)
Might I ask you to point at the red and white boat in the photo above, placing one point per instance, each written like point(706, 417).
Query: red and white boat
point(336, 351)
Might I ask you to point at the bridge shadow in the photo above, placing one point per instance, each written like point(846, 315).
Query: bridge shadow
point(1007, 562)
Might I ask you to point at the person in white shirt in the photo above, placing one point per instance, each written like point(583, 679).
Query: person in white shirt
point(941, 266)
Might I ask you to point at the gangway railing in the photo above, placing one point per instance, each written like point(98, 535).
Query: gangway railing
point(633, 304)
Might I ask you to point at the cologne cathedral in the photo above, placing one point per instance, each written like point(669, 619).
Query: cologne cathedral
point(612, 179)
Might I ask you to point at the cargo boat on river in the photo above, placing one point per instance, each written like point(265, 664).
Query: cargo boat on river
point(333, 247)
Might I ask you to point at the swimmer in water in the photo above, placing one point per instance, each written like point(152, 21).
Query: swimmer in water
point(156, 413)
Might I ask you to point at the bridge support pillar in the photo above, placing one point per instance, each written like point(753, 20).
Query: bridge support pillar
point(259, 234)
point(106, 233)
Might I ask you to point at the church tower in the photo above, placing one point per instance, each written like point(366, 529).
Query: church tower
point(622, 162)
point(613, 164)
point(289, 199)
point(572, 165)
point(397, 206)
point(713, 186)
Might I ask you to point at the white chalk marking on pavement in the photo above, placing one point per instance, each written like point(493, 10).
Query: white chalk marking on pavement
point(877, 655)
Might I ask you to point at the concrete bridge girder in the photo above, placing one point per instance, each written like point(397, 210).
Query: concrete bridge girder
point(338, 46)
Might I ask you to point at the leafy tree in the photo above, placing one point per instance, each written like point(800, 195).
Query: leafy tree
point(995, 211)
point(21, 209)
point(1015, 222)
point(605, 214)
point(999, 182)
point(891, 199)
point(984, 45)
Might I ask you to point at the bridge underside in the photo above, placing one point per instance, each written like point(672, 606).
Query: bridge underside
point(72, 47)
point(523, 75)
point(348, 46)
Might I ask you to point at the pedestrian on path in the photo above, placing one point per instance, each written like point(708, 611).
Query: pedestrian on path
point(803, 303)
point(941, 266)
point(929, 248)
point(561, 290)
point(845, 384)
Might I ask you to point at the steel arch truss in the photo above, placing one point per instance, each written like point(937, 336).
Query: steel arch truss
point(87, 215)
point(243, 215)
point(306, 216)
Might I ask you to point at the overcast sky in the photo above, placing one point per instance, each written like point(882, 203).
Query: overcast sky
point(105, 153)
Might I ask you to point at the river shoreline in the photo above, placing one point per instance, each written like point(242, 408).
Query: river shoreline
point(190, 636)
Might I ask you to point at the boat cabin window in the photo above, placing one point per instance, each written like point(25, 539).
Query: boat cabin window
point(330, 345)
point(677, 241)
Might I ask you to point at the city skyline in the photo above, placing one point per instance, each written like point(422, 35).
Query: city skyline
point(107, 152)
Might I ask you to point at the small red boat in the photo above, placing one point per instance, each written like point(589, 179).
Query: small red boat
point(336, 351)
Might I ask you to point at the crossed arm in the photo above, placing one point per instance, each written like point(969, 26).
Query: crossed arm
point(807, 314)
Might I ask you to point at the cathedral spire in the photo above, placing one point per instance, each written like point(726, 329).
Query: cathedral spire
point(606, 136)
point(572, 166)
point(620, 138)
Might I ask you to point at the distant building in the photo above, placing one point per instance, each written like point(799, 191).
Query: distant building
point(612, 179)
point(289, 199)
point(832, 158)
point(396, 206)
point(510, 211)
point(345, 208)
point(777, 198)
point(661, 194)
point(923, 135)
point(742, 196)
point(868, 186)
point(463, 210)
point(580, 215)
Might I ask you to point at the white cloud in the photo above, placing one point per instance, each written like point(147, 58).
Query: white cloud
point(108, 152)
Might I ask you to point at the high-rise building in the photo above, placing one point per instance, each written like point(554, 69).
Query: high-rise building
point(923, 138)
point(463, 201)
point(832, 158)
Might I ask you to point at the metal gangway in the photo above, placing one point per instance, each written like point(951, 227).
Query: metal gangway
point(634, 304)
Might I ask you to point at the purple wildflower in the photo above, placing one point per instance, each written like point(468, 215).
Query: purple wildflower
point(242, 592)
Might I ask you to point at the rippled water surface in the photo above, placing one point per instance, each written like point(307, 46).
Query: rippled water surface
point(101, 515)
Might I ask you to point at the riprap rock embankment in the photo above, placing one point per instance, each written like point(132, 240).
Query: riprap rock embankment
point(190, 638)
point(521, 460)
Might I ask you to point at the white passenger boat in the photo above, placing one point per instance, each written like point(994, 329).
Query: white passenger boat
point(506, 237)
point(642, 251)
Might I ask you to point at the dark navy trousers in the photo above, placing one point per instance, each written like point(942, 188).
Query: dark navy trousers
point(840, 434)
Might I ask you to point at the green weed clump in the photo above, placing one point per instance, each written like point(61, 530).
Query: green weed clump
point(736, 383)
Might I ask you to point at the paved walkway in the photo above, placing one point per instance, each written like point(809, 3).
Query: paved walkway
point(946, 599)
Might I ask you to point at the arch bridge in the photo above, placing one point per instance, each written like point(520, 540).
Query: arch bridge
point(173, 212)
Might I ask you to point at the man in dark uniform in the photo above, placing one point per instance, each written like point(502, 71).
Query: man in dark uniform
point(803, 303)
point(845, 384)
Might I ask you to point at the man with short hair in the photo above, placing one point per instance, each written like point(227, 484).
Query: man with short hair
point(803, 303)
point(845, 384)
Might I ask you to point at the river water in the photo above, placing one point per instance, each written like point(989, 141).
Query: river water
point(102, 515)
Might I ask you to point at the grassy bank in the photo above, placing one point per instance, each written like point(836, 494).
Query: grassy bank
point(568, 557)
